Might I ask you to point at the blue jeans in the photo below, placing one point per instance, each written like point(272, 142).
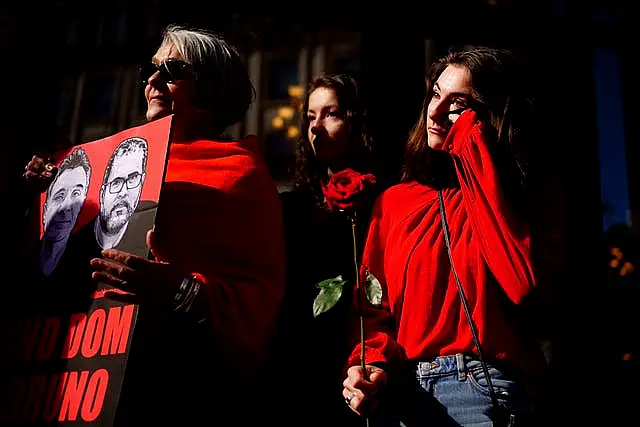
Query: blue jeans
point(452, 391)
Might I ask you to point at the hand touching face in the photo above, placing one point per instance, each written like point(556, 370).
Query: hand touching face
point(451, 92)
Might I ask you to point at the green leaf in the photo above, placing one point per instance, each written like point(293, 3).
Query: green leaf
point(373, 289)
point(329, 295)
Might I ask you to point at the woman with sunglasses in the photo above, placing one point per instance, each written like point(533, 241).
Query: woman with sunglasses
point(451, 247)
point(210, 296)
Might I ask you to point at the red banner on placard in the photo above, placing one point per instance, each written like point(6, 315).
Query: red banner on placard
point(64, 353)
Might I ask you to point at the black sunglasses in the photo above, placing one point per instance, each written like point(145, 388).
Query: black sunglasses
point(170, 71)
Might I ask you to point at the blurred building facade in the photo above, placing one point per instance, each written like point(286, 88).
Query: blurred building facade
point(89, 53)
point(97, 92)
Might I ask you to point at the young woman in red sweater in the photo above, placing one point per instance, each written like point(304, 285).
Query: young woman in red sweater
point(467, 148)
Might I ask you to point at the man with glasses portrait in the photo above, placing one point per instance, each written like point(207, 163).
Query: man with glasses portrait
point(120, 191)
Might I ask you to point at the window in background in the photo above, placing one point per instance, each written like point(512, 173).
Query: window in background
point(64, 34)
point(611, 137)
point(281, 133)
point(65, 99)
point(281, 112)
point(281, 73)
point(344, 53)
point(99, 96)
point(348, 64)
point(114, 29)
point(86, 31)
point(98, 107)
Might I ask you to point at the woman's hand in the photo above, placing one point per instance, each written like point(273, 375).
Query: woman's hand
point(361, 392)
point(39, 173)
point(150, 281)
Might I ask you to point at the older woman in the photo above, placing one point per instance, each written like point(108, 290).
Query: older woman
point(209, 298)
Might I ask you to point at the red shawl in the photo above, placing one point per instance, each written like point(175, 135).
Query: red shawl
point(220, 217)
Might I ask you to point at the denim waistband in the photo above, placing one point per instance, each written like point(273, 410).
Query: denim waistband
point(446, 365)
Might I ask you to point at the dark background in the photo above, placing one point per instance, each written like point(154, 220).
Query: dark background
point(559, 37)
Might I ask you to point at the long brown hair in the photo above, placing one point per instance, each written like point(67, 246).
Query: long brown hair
point(308, 172)
point(499, 98)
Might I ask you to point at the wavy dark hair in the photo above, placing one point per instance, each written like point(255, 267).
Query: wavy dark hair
point(500, 98)
point(308, 171)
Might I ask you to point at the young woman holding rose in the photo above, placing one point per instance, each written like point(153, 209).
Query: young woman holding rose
point(332, 180)
point(467, 148)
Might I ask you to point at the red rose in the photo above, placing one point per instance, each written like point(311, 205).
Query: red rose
point(345, 189)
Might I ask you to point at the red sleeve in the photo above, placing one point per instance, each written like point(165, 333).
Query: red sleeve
point(379, 323)
point(243, 309)
point(504, 241)
point(245, 284)
point(221, 219)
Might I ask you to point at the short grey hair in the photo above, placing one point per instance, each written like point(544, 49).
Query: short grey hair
point(222, 81)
